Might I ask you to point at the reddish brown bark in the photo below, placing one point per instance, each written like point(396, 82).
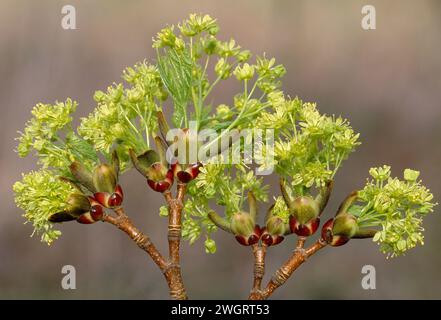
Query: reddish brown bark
point(259, 267)
point(123, 222)
point(170, 267)
point(286, 270)
point(177, 289)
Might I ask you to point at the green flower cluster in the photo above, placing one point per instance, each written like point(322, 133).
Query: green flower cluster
point(310, 147)
point(125, 117)
point(397, 206)
point(211, 188)
point(41, 194)
point(49, 133)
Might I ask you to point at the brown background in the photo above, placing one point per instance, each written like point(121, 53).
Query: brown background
point(387, 81)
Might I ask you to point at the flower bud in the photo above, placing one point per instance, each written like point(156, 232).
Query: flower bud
point(77, 204)
point(242, 223)
point(271, 240)
point(95, 213)
point(104, 178)
point(275, 228)
point(411, 175)
point(60, 217)
point(210, 46)
point(303, 229)
point(135, 95)
point(328, 236)
point(110, 200)
point(345, 225)
point(159, 177)
point(144, 161)
point(224, 112)
point(243, 55)
point(244, 228)
point(244, 72)
point(304, 220)
point(190, 173)
point(86, 218)
point(210, 246)
point(82, 175)
point(276, 225)
point(161, 181)
point(99, 96)
point(305, 209)
point(222, 69)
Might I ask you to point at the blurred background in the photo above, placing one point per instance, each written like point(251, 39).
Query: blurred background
point(386, 81)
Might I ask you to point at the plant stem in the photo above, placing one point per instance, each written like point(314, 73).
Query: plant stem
point(177, 290)
point(171, 273)
point(123, 222)
point(286, 270)
point(259, 266)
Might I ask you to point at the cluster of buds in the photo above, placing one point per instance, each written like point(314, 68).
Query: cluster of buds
point(244, 228)
point(95, 190)
point(161, 168)
point(160, 175)
point(339, 230)
point(305, 210)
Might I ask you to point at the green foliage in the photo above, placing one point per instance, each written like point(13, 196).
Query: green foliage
point(397, 206)
point(175, 68)
point(41, 194)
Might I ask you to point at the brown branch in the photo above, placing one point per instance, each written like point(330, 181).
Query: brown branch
point(123, 222)
point(259, 267)
point(286, 270)
point(171, 274)
point(175, 205)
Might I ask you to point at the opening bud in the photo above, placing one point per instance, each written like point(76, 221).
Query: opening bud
point(303, 229)
point(85, 210)
point(190, 173)
point(305, 209)
point(95, 214)
point(244, 228)
point(77, 204)
point(274, 230)
point(161, 185)
point(110, 200)
point(345, 225)
point(104, 178)
point(152, 166)
point(330, 238)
